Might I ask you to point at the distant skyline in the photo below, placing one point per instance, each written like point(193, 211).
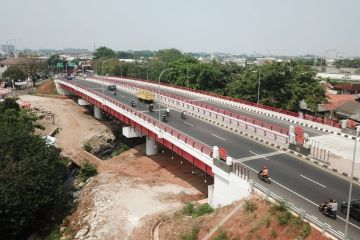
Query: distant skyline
point(270, 27)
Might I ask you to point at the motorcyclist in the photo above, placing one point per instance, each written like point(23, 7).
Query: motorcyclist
point(151, 107)
point(333, 205)
point(114, 92)
point(132, 103)
point(167, 112)
point(264, 173)
point(164, 117)
point(183, 115)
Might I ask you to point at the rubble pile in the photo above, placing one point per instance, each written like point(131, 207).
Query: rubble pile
point(41, 113)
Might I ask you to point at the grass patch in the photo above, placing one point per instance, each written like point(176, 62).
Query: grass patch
point(304, 231)
point(119, 149)
point(193, 235)
point(284, 217)
point(190, 210)
point(222, 235)
point(250, 206)
point(87, 147)
point(54, 233)
point(87, 170)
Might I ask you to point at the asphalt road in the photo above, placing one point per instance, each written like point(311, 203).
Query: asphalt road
point(295, 180)
point(277, 122)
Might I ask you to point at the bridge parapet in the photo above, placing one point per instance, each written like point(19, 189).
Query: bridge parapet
point(182, 144)
point(226, 119)
point(326, 125)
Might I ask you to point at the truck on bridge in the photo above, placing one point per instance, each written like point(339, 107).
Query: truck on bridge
point(145, 96)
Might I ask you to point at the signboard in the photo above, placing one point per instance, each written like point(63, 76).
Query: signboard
point(223, 154)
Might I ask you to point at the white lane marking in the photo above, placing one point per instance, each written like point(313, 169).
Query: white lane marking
point(259, 155)
point(297, 194)
point(189, 124)
point(312, 181)
point(218, 137)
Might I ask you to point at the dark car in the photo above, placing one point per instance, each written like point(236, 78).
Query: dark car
point(354, 209)
point(111, 87)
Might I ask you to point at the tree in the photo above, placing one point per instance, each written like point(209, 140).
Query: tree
point(15, 73)
point(33, 66)
point(53, 60)
point(282, 85)
point(104, 53)
point(169, 55)
point(32, 176)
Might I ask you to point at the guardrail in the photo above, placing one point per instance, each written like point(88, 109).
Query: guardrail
point(231, 116)
point(324, 121)
point(203, 148)
point(325, 228)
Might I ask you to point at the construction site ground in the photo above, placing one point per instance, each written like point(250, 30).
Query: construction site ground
point(132, 191)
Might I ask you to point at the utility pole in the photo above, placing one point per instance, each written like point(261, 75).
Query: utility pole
point(187, 76)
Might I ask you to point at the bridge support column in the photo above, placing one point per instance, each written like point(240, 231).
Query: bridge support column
point(228, 187)
point(150, 146)
point(82, 102)
point(98, 113)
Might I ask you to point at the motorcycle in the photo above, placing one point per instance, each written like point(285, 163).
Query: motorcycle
point(164, 118)
point(264, 178)
point(326, 210)
point(151, 108)
point(133, 104)
point(183, 116)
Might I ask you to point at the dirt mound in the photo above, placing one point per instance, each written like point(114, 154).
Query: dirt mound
point(48, 87)
point(254, 219)
point(129, 193)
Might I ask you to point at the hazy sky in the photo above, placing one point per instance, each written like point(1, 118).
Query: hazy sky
point(238, 26)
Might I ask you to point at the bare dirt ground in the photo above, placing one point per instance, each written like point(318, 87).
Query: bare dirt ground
point(129, 194)
point(76, 125)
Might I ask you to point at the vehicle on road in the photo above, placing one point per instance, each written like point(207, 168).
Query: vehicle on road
point(266, 179)
point(183, 116)
point(325, 208)
point(354, 208)
point(112, 87)
point(151, 108)
point(145, 96)
point(133, 104)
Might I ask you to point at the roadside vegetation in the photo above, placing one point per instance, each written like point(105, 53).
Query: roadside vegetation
point(283, 84)
point(257, 219)
point(32, 176)
point(87, 170)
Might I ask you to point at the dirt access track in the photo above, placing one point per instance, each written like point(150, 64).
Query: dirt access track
point(75, 123)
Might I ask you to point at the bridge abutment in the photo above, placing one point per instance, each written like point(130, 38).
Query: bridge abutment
point(98, 113)
point(227, 187)
point(61, 91)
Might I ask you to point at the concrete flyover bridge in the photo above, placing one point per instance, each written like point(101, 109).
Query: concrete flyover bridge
point(227, 187)
point(304, 185)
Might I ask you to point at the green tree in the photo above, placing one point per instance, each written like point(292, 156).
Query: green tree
point(34, 66)
point(169, 55)
point(104, 53)
point(53, 60)
point(15, 73)
point(32, 176)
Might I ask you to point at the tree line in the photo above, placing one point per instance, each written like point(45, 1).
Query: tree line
point(282, 84)
point(32, 176)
